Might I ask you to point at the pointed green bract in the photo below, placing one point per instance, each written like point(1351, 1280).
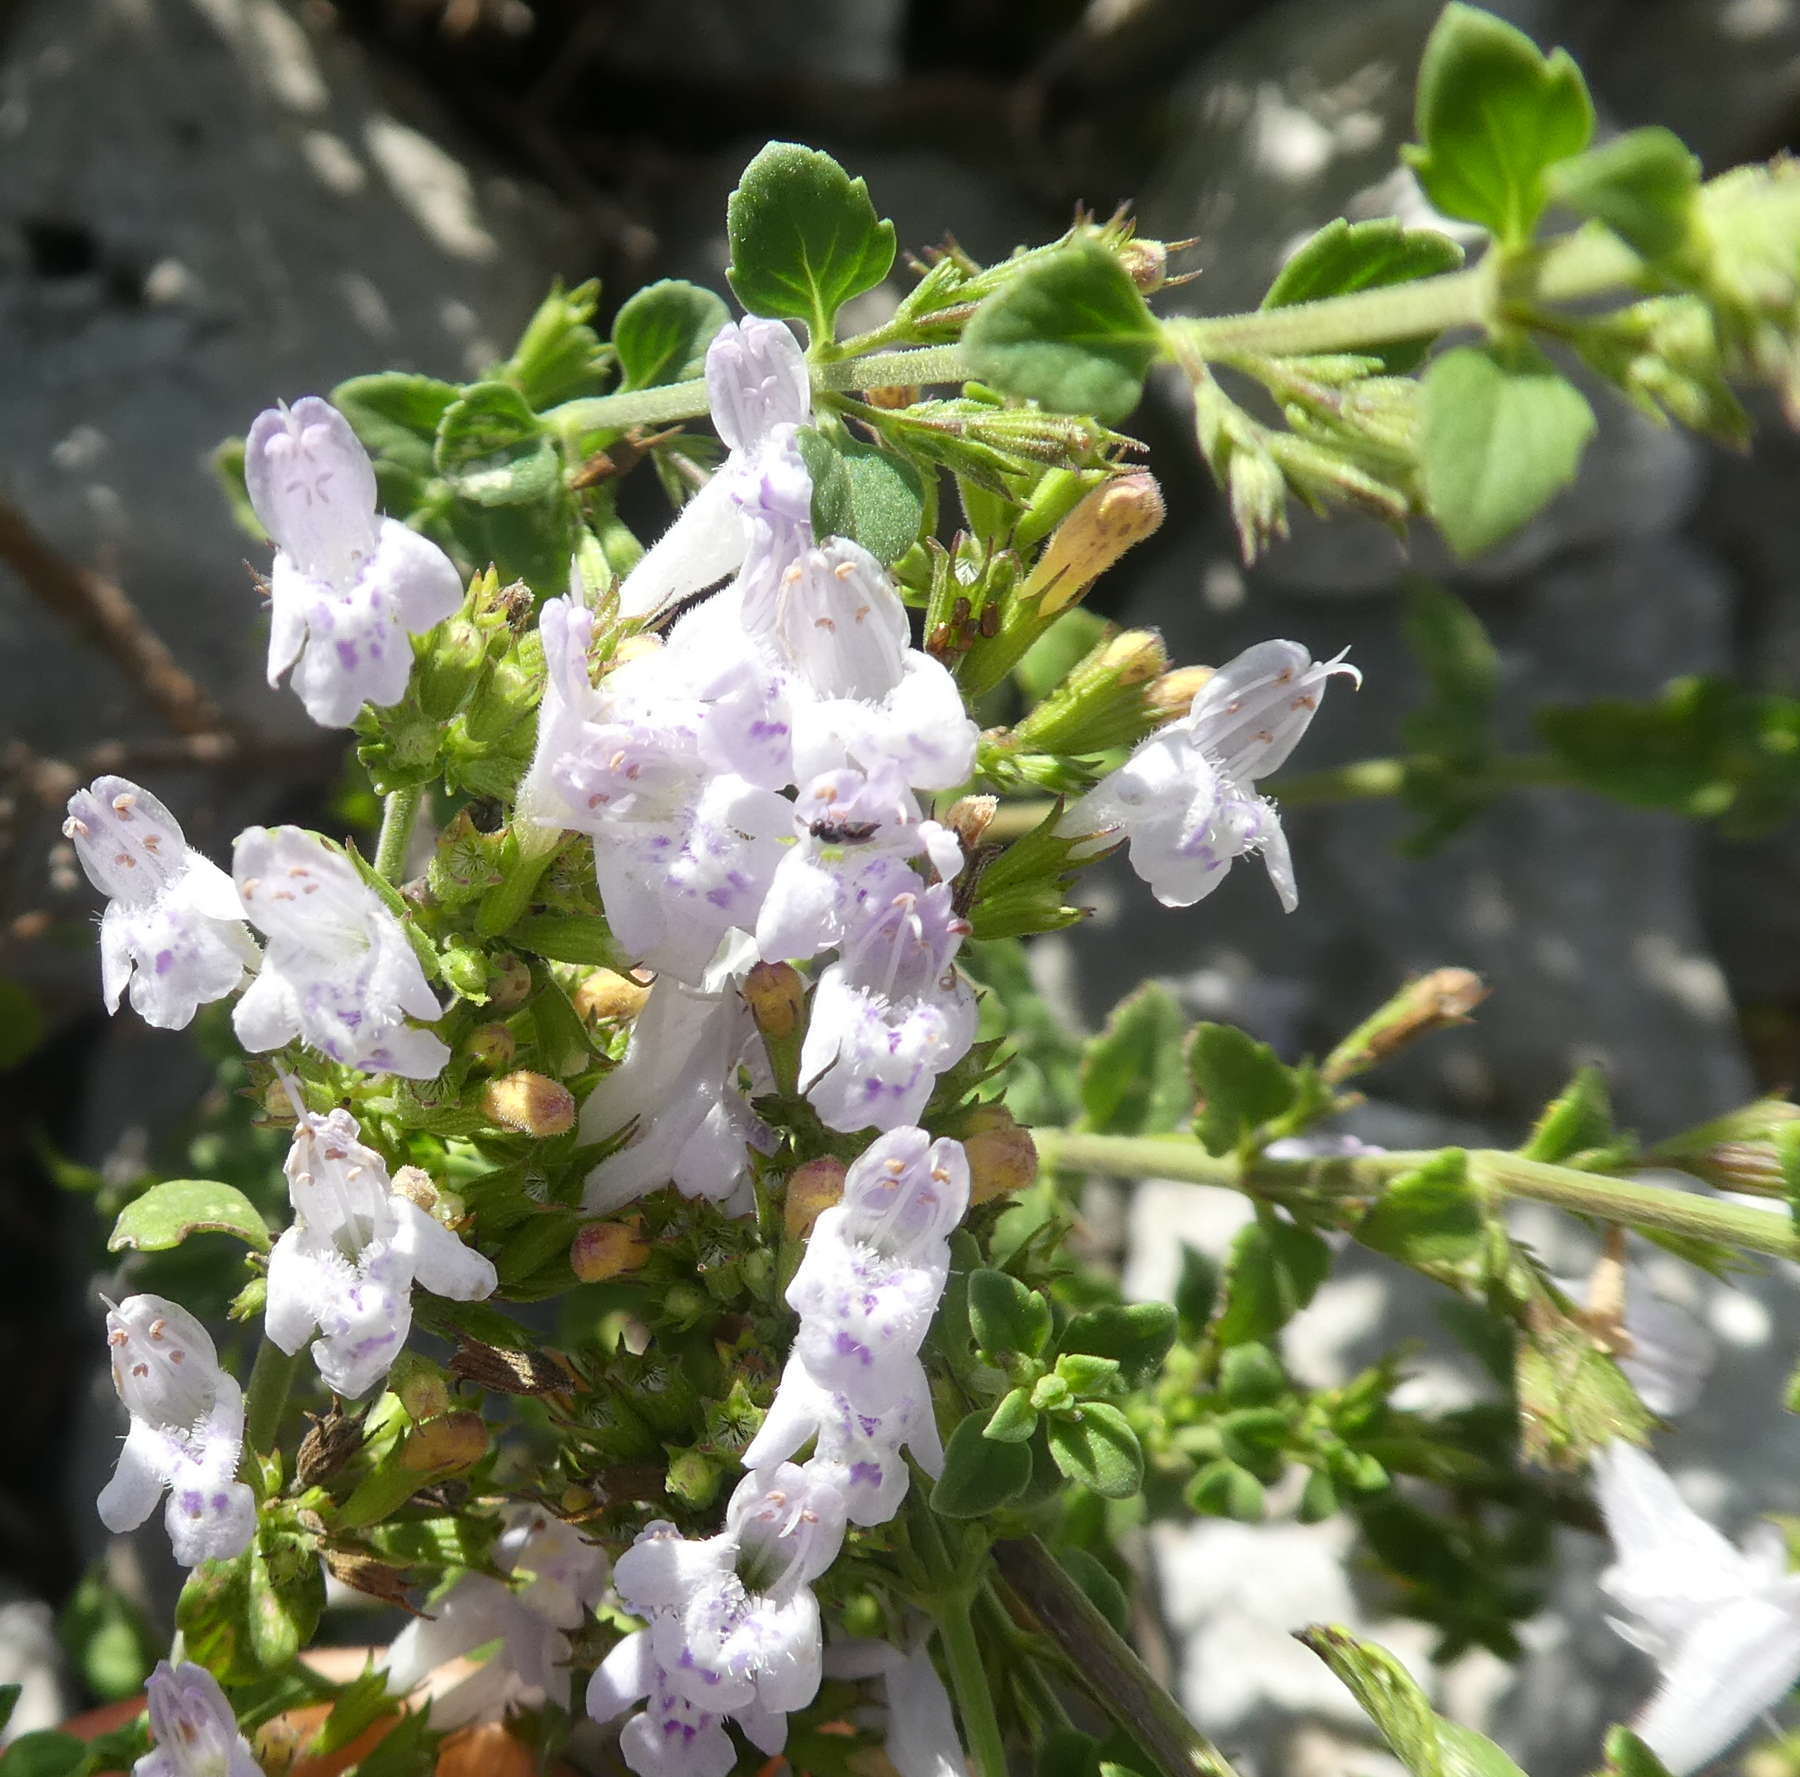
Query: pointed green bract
point(1071, 333)
point(661, 334)
point(1501, 432)
point(1493, 115)
point(804, 237)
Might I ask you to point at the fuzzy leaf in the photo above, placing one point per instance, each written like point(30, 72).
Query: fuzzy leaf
point(981, 1474)
point(1133, 1079)
point(661, 334)
point(1239, 1082)
point(1096, 1446)
point(168, 1213)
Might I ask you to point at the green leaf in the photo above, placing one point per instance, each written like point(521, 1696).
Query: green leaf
point(1464, 1753)
point(493, 451)
point(250, 1616)
point(804, 237)
point(397, 415)
point(1576, 1122)
point(9, 1701)
point(1133, 1077)
point(1493, 114)
point(107, 1638)
point(980, 1474)
point(582, 938)
point(1572, 1398)
point(1388, 1694)
point(1137, 1335)
point(1014, 1420)
point(1430, 1218)
point(1005, 1316)
point(1628, 1756)
point(1644, 186)
point(1347, 256)
point(1500, 433)
point(1273, 1271)
point(661, 334)
point(1239, 1083)
point(1071, 333)
point(1222, 1489)
point(868, 495)
point(168, 1213)
point(1251, 1376)
point(1095, 1445)
point(46, 1753)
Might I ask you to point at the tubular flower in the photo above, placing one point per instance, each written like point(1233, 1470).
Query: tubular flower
point(891, 1013)
point(347, 1265)
point(173, 929)
point(1722, 1624)
point(564, 1577)
point(338, 972)
point(916, 1715)
point(187, 1429)
point(347, 584)
point(1186, 803)
point(195, 1729)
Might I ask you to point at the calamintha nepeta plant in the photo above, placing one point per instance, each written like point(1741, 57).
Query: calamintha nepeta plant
point(683, 998)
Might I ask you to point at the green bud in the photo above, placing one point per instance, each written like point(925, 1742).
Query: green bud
point(1251, 1375)
point(1755, 1148)
point(1319, 1499)
point(490, 1047)
point(1223, 1490)
point(1052, 1394)
point(420, 1386)
point(466, 970)
point(1104, 702)
point(694, 1479)
point(449, 671)
point(1088, 1374)
point(507, 696)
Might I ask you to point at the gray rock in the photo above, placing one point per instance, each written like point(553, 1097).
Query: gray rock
point(849, 40)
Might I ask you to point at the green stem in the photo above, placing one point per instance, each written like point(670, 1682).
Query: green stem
point(1106, 1662)
point(271, 1376)
point(399, 812)
point(1365, 1176)
point(968, 1679)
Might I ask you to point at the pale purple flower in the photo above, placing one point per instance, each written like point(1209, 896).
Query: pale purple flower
point(733, 1623)
point(892, 1013)
point(1722, 1624)
point(850, 826)
point(565, 629)
point(1186, 800)
point(563, 1575)
point(187, 1430)
point(916, 1718)
point(338, 972)
point(347, 1266)
point(855, 1450)
point(347, 584)
point(195, 1730)
point(679, 1082)
point(760, 392)
point(173, 929)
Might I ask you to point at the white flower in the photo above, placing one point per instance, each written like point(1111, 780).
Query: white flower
point(920, 1727)
point(565, 1576)
point(875, 1267)
point(565, 628)
point(338, 971)
point(187, 1430)
point(849, 827)
point(857, 1451)
point(733, 1623)
point(1723, 1624)
point(891, 1013)
point(347, 1265)
point(759, 391)
point(1186, 800)
point(679, 1080)
point(347, 583)
point(195, 1730)
point(173, 927)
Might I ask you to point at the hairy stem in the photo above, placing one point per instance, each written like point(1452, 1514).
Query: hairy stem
point(968, 1679)
point(1112, 1671)
point(1587, 1193)
point(399, 812)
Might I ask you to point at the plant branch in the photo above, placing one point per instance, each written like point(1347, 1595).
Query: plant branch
point(968, 1679)
point(399, 813)
point(1113, 1673)
point(271, 1376)
point(1366, 1176)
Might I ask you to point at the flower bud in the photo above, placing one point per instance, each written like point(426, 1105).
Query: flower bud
point(812, 1188)
point(1112, 518)
point(1146, 263)
point(1172, 696)
point(776, 995)
point(466, 970)
point(602, 1251)
point(604, 994)
point(1103, 702)
point(445, 1444)
point(490, 1047)
point(1755, 1148)
point(414, 1184)
point(892, 395)
point(509, 982)
point(970, 817)
point(694, 1479)
point(1433, 1002)
point(420, 1387)
point(1258, 493)
point(530, 1103)
point(504, 699)
point(449, 670)
point(637, 647)
point(1002, 1155)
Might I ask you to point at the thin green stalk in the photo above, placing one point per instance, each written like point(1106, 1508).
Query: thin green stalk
point(1106, 1662)
point(399, 813)
point(1587, 1193)
point(968, 1679)
point(271, 1376)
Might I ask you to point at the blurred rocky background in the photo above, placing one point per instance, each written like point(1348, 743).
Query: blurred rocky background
point(210, 203)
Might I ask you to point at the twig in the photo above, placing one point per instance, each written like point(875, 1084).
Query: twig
point(100, 610)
